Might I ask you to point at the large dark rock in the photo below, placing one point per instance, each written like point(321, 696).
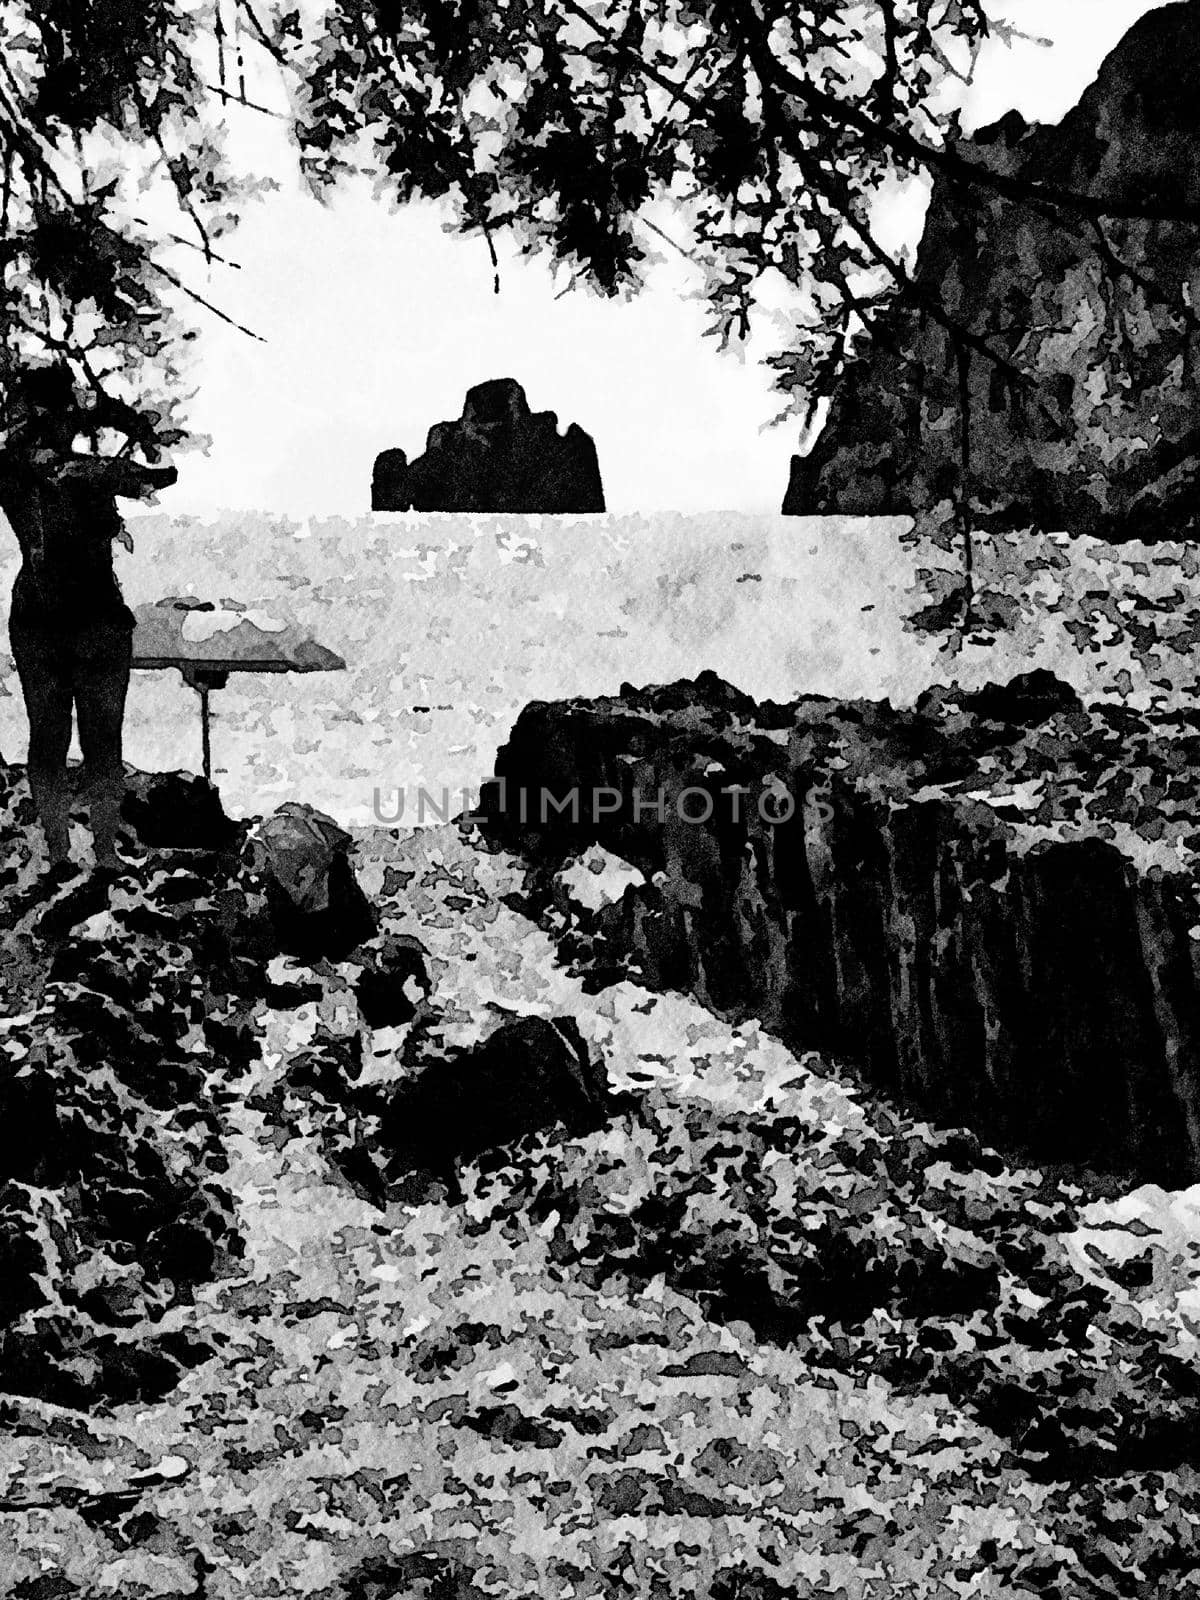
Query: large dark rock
point(393, 981)
point(176, 810)
point(880, 885)
point(1029, 698)
point(531, 1074)
point(1105, 439)
point(314, 902)
point(498, 456)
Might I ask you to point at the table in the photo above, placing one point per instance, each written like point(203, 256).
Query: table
point(205, 642)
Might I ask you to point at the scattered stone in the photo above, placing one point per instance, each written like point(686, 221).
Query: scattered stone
point(1029, 698)
point(112, 1204)
point(529, 1075)
point(393, 981)
point(176, 810)
point(314, 902)
point(1026, 700)
point(422, 1575)
point(290, 986)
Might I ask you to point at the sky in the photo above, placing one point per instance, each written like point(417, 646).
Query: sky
point(376, 322)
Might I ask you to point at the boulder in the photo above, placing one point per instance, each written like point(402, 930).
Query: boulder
point(176, 811)
point(498, 456)
point(1104, 439)
point(1025, 700)
point(529, 1075)
point(314, 902)
point(394, 977)
point(1028, 699)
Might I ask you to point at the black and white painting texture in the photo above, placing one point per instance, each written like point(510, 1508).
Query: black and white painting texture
point(599, 912)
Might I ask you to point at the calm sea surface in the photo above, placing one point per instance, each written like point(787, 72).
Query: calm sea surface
point(450, 624)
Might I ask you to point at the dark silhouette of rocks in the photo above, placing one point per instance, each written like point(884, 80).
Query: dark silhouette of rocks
point(531, 1074)
point(394, 977)
point(1106, 440)
point(314, 903)
point(455, 1102)
point(967, 956)
point(177, 810)
point(499, 456)
point(1026, 700)
point(388, 481)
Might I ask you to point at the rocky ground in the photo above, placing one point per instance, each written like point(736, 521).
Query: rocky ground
point(742, 1333)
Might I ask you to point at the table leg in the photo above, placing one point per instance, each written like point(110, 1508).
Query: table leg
point(205, 742)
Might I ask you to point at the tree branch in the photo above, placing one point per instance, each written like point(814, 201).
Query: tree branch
point(181, 194)
point(165, 272)
point(264, 38)
point(909, 288)
point(884, 89)
point(26, 143)
point(469, 180)
point(190, 244)
point(905, 145)
point(240, 100)
point(822, 180)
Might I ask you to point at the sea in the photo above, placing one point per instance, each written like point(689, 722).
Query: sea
point(450, 624)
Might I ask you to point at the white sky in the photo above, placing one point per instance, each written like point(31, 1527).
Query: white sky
point(376, 324)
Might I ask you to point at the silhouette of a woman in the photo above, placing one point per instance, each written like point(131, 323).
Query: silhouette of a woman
point(69, 627)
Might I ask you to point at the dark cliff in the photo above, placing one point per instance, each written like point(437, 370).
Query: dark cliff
point(1101, 316)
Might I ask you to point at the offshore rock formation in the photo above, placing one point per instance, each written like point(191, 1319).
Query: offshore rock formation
point(1102, 315)
point(499, 456)
point(884, 887)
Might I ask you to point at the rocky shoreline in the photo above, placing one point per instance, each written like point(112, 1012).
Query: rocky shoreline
point(511, 1273)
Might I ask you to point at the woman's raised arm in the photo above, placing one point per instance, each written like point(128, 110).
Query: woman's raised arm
point(129, 479)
